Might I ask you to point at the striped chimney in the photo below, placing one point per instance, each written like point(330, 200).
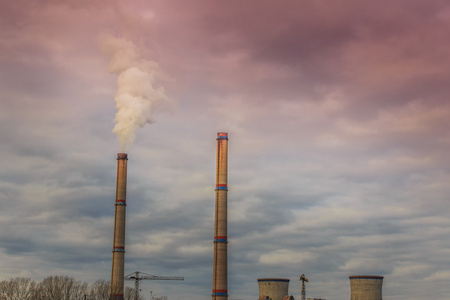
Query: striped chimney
point(220, 273)
point(118, 258)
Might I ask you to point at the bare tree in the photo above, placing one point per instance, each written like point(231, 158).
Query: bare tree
point(61, 288)
point(99, 290)
point(17, 289)
point(130, 294)
point(157, 298)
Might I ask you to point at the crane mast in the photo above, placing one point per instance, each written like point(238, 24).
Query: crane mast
point(138, 276)
point(303, 279)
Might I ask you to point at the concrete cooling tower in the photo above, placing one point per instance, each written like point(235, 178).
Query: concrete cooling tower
point(366, 287)
point(273, 288)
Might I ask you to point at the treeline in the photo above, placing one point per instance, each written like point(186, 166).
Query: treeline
point(60, 288)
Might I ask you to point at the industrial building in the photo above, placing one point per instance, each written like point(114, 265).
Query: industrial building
point(363, 287)
point(118, 259)
point(273, 288)
point(220, 262)
point(366, 287)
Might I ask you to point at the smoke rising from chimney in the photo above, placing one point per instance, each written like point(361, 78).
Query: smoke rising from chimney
point(139, 91)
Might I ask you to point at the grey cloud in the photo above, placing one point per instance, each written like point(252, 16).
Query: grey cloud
point(337, 119)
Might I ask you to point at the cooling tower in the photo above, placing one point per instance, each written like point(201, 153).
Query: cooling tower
point(274, 288)
point(220, 275)
point(366, 287)
point(118, 259)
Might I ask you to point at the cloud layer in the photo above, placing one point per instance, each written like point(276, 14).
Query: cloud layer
point(337, 115)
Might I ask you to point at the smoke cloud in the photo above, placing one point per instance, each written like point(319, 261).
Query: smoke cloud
point(139, 92)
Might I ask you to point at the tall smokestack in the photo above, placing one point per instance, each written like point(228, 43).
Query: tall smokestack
point(220, 273)
point(118, 258)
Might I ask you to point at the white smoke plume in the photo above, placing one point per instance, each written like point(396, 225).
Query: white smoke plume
point(139, 91)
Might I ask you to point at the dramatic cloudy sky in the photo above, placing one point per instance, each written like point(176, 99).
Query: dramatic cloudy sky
point(338, 115)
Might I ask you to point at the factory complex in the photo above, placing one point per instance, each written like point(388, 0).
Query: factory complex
point(363, 287)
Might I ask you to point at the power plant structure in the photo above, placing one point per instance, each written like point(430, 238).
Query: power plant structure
point(273, 288)
point(138, 276)
point(118, 257)
point(220, 263)
point(363, 287)
point(303, 279)
point(366, 287)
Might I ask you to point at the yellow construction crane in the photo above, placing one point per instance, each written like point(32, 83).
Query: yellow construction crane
point(303, 279)
point(138, 276)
